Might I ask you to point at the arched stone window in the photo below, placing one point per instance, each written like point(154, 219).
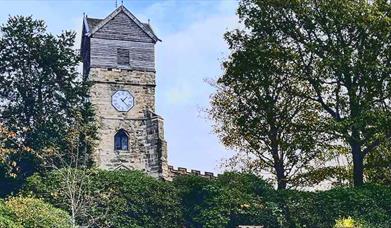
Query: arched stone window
point(121, 140)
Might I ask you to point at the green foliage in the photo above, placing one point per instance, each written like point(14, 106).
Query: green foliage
point(337, 53)
point(370, 204)
point(32, 212)
point(7, 218)
point(10, 146)
point(233, 199)
point(132, 199)
point(378, 165)
point(118, 199)
point(43, 95)
point(256, 109)
point(190, 189)
point(337, 175)
point(230, 200)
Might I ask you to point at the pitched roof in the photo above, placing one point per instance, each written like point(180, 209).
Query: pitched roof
point(94, 24)
point(148, 26)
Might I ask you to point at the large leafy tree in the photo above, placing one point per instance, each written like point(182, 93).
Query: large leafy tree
point(42, 94)
point(256, 111)
point(341, 51)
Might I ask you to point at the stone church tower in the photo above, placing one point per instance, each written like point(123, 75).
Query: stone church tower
point(119, 58)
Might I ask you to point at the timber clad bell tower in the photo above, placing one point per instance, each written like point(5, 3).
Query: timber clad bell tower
point(119, 58)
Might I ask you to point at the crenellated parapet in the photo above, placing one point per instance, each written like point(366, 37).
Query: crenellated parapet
point(180, 171)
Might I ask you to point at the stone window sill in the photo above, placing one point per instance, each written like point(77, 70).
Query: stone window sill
point(121, 151)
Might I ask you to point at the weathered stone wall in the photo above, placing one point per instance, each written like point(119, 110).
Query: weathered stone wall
point(147, 147)
point(140, 84)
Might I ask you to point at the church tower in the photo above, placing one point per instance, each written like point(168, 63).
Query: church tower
point(119, 58)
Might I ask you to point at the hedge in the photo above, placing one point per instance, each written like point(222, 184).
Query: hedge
point(231, 199)
point(370, 204)
point(120, 198)
point(132, 199)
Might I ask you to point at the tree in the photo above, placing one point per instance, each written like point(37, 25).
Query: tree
point(10, 149)
point(42, 94)
point(9, 145)
point(341, 51)
point(73, 186)
point(256, 111)
point(73, 176)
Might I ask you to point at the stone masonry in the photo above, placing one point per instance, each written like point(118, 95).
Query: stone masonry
point(118, 55)
point(147, 147)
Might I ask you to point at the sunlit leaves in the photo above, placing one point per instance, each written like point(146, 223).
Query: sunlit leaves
point(329, 59)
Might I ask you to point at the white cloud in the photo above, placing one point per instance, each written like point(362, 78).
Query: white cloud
point(188, 56)
point(184, 59)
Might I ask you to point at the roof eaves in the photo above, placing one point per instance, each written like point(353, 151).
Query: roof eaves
point(86, 25)
point(149, 27)
point(122, 8)
point(149, 32)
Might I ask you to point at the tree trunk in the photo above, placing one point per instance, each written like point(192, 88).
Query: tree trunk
point(281, 180)
point(358, 165)
point(280, 173)
point(73, 215)
point(278, 163)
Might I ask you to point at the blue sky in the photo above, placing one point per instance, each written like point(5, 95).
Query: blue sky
point(192, 51)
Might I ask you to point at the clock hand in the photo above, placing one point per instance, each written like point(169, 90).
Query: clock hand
point(123, 100)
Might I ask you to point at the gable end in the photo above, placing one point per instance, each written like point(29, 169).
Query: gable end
point(121, 27)
point(122, 24)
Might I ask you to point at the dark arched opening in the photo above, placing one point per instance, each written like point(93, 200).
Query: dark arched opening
point(121, 140)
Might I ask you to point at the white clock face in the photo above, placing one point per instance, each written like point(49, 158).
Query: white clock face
point(122, 100)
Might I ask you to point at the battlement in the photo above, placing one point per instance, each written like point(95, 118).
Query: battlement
point(183, 171)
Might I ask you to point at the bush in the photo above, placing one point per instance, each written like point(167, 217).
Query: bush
point(7, 218)
point(369, 204)
point(242, 199)
point(347, 223)
point(231, 199)
point(32, 212)
point(132, 199)
point(121, 198)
